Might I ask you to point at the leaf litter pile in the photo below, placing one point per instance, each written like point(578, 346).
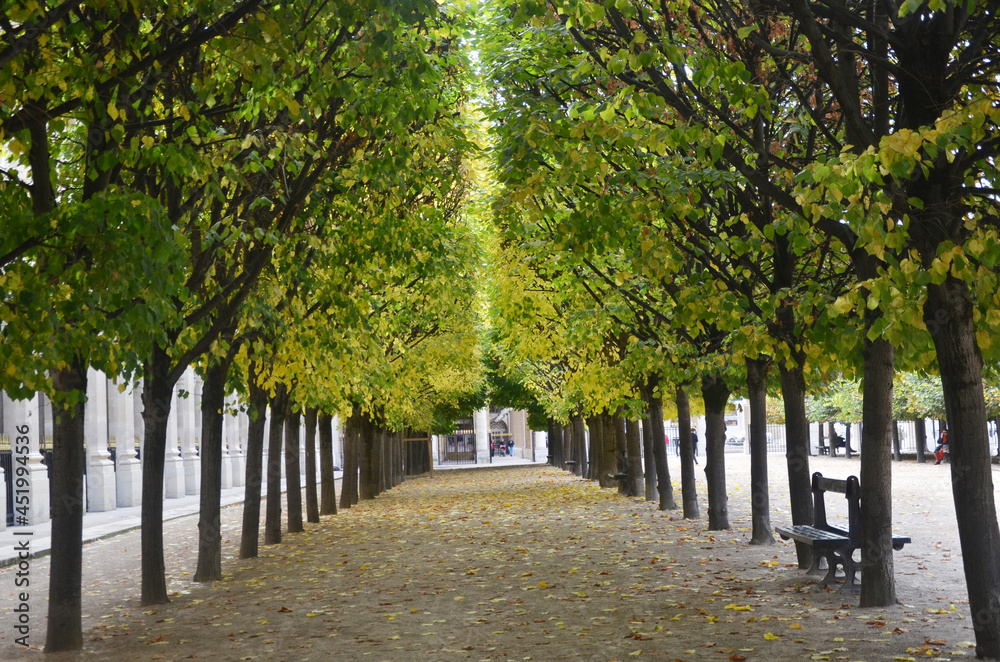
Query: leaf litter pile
point(520, 563)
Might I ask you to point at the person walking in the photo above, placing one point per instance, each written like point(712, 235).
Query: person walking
point(694, 444)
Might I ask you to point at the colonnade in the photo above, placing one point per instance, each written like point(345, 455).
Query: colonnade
point(113, 420)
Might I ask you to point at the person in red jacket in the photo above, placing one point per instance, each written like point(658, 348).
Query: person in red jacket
point(942, 447)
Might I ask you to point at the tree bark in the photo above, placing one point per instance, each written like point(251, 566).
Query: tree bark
point(293, 474)
point(328, 485)
point(948, 315)
point(213, 403)
point(156, 396)
point(312, 499)
point(569, 448)
point(689, 485)
point(920, 429)
point(349, 486)
point(878, 588)
point(367, 488)
point(663, 485)
point(555, 443)
point(793, 390)
point(272, 513)
point(760, 503)
point(716, 394)
point(64, 630)
point(648, 461)
point(633, 454)
point(257, 396)
point(619, 460)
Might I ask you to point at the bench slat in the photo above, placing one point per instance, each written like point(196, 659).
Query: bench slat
point(812, 535)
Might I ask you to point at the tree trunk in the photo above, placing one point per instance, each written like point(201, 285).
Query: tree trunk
point(64, 631)
point(619, 460)
point(580, 444)
point(156, 396)
point(878, 588)
point(349, 485)
point(272, 514)
point(328, 485)
point(633, 454)
point(920, 430)
point(312, 500)
point(569, 448)
point(597, 427)
point(555, 443)
point(820, 443)
point(257, 413)
point(663, 485)
point(948, 315)
point(716, 395)
point(897, 451)
point(760, 503)
point(213, 403)
point(793, 390)
point(648, 461)
point(381, 457)
point(293, 474)
point(689, 485)
point(367, 488)
point(848, 449)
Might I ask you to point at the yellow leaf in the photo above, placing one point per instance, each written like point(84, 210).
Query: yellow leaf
point(770, 636)
point(795, 626)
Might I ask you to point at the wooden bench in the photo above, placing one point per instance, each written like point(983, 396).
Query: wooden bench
point(832, 544)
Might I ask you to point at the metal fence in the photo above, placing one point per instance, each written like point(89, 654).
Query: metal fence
point(460, 446)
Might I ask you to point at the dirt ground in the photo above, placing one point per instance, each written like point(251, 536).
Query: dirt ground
point(523, 563)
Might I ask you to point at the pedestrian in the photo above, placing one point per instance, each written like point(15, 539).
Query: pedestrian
point(694, 444)
point(942, 447)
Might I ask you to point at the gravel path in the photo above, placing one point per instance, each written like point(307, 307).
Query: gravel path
point(521, 563)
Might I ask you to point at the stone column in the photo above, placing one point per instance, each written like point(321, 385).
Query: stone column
point(173, 466)
point(482, 426)
point(264, 452)
point(26, 414)
point(228, 429)
point(121, 429)
point(187, 411)
point(101, 492)
point(302, 446)
point(338, 444)
point(237, 456)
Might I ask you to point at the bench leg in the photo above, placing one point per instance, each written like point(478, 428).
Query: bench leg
point(851, 568)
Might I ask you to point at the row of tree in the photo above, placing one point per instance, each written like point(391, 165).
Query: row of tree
point(694, 193)
point(271, 193)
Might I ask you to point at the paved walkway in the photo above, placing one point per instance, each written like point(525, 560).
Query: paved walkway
point(97, 526)
point(523, 563)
